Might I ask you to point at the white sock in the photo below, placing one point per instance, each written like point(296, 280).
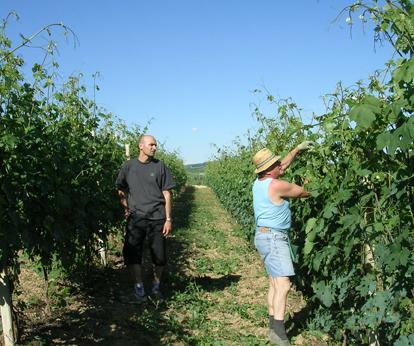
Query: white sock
point(139, 289)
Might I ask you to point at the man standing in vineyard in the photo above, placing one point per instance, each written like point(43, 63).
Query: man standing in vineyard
point(273, 220)
point(148, 211)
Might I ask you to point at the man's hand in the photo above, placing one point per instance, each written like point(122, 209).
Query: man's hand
point(167, 228)
point(167, 225)
point(305, 146)
point(124, 203)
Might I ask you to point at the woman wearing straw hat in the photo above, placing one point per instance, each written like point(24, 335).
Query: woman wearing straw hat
point(273, 220)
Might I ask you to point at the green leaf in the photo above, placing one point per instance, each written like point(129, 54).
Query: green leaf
point(410, 126)
point(405, 341)
point(363, 172)
point(364, 113)
point(323, 292)
point(311, 236)
point(378, 227)
point(328, 125)
point(367, 285)
point(350, 220)
point(9, 140)
point(343, 196)
point(383, 140)
point(405, 302)
point(329, 210)
point(308, 247)
point(394, 110)
point(405, 253)
point(404, 73)
point(316, 263)
point(310, 225)
point(392, 261)
point(400, 138)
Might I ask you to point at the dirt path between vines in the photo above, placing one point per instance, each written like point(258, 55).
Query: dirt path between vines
point(215, 289)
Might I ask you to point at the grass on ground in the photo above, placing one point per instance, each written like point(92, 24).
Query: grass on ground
point(215, 288)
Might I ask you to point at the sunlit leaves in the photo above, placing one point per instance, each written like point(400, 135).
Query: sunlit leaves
point(404, 73)
point(364, 114)
point(355, 231)
point(60, 156)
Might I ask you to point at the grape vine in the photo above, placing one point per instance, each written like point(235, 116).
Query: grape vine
point(60, 156)
point(356, 229)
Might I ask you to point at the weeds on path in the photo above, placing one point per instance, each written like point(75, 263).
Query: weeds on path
point(214, 286)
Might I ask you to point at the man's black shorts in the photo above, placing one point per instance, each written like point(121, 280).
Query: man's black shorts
point(136, 231)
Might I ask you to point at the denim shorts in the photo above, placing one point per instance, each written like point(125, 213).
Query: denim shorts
point(273, 247)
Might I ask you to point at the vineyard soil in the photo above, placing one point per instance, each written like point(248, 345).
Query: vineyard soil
point(215, 289)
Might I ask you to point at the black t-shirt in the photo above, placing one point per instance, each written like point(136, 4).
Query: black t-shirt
point(145, 183)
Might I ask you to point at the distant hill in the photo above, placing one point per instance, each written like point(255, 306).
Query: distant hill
point(196, 168)
point(196, 173)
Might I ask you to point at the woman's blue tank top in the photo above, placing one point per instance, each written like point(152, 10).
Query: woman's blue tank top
point(266, 213)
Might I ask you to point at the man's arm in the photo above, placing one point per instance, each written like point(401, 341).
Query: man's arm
point(283, 189)
point(124, 202)
point(167, 225)
point(287, 160)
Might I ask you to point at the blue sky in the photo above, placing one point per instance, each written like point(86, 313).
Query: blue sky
point(191, 65)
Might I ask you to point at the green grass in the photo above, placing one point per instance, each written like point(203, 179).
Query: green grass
point(215, 288)
point(205, 308)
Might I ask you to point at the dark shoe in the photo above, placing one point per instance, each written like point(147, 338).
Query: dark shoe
point(156, 297)
point(275, 339)
point(133, 299)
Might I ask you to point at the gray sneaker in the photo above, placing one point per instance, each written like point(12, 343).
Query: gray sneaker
point(275, 339)
point(156, 297)
point(133, 299)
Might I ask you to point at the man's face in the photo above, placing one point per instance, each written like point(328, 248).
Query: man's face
point(149, 146)
point(276, 170)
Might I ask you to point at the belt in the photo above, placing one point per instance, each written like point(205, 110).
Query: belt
point(266, 230)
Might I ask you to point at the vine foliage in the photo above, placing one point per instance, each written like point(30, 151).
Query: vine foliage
point(356, 231)
point(60, 156)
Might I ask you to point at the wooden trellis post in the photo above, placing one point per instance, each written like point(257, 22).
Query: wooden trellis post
point(6, 308)
point(127, 151)
point(102, 251)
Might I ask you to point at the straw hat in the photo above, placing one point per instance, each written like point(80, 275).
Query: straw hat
point(263, 159)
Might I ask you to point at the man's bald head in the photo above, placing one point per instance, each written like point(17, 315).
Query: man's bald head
point(147, 147)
